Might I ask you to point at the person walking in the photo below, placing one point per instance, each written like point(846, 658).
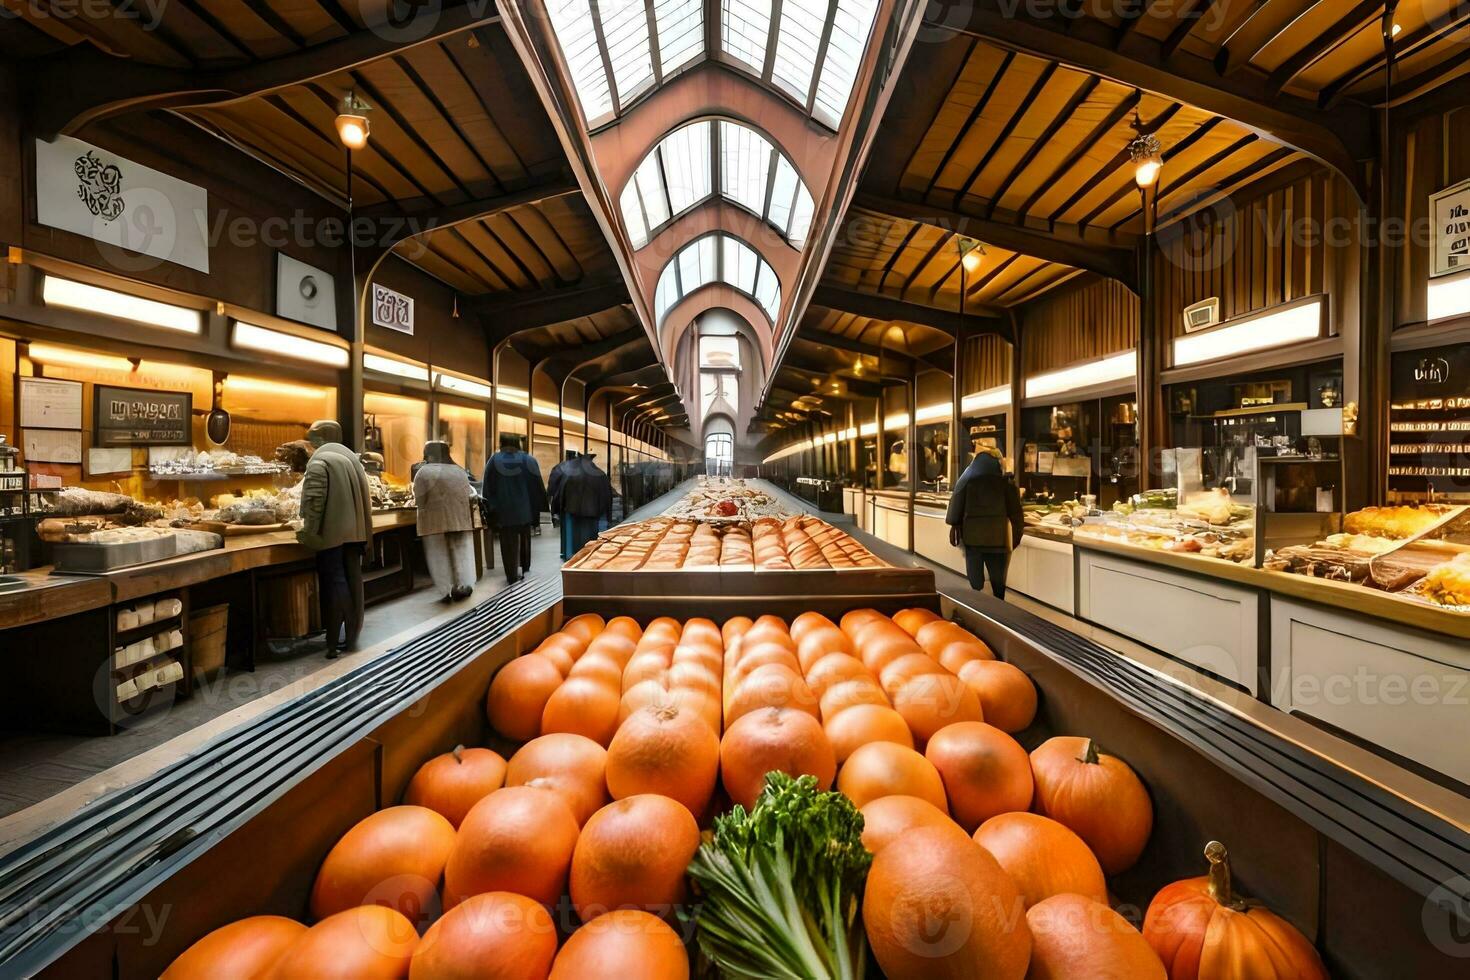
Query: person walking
point(446, 525)
point(586, 498)
point(985, 518)
point(337, 524)
point(513, 497)
point(553, 492)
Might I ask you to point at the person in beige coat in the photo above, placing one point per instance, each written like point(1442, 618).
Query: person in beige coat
point(446, 525)
point(337, 524)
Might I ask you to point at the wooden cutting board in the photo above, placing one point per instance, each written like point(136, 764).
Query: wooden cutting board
point(234, 530)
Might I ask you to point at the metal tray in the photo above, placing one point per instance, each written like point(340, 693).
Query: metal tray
point(94, 558)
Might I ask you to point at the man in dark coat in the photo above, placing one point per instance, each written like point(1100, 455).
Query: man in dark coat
point(586, 498)
point(337, 524)
point(985, 517)
point(553, 492)
point(514, 498)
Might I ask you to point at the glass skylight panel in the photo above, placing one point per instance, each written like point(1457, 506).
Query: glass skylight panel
point(797, 41)
point(745, 27)
point(739, 268)
point(667, 293)
point(625, 30)
point(632, 210)
point(651, 191)
point(850, 30)
point(783, 194)
point(768, 291)
point(745, 161)
point(801, 218)
point(680, 26)
point(686, 158)
point(572, 21)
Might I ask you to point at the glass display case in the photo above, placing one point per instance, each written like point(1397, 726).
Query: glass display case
point(933, 455)
point(1077, 449)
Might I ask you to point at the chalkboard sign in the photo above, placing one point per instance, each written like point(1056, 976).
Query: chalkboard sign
point(140, 417)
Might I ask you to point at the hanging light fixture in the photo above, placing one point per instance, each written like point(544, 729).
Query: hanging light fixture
point(972, 253)
point(352, 122)
point(1144, 151)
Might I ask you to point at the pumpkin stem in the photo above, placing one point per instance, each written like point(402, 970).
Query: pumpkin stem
point(458, 752)
point(1089, 753)
point(1221, 889)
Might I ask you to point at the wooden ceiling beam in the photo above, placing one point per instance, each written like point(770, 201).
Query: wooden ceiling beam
point(399, 221)
point(1110, 261)
point(983, 320)
point(83, 85)
point(822, 338)
point(504, 318)
point(1415, 43)
point(1339, 139)
point(1343, 29)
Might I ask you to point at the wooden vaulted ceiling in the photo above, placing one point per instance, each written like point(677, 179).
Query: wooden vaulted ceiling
point(459, 142)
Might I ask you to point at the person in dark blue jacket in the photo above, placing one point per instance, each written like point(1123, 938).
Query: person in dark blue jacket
point(514, 498)
point(985, 518)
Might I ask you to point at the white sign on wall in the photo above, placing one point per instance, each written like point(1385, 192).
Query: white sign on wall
point(1450, 212)
point(392, 309)
point(305, 293)
point(89, 191)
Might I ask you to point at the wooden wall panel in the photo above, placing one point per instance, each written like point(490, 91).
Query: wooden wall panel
point(438, 338)
point(1435, 154)
point(987, 363)
point(1093, 319)
point(1254, 252)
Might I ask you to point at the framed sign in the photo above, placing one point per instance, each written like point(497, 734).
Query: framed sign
point(52, 445)
point(392, 309)
point(305, 293)
point(86, 190)
point(47, 403)
point(139, 417)
point(1449, 210)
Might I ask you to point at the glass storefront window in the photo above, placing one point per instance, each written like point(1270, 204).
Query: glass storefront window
point(396, 426)
point(464, 430)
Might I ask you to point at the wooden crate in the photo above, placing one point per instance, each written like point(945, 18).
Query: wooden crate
point(208, 636)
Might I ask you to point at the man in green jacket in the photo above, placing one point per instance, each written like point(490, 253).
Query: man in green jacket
point(337, 523)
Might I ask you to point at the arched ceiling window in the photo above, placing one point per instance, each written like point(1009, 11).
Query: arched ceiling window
point(615, 36)
point(717, 257)
point(810, 52)
point(691, 163)
point(616, 50)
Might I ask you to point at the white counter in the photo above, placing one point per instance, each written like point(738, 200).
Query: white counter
point(1042, 569)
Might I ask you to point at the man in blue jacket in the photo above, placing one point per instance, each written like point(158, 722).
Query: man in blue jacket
point(514, 498)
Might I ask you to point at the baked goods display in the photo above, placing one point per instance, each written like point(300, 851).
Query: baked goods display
point(1206, 523)
point(1420, 552)
point(721, 498)
point(766, 544)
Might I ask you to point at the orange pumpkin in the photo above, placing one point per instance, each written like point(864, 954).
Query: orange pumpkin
point(1095, 795)
point(242, 949)
point(518, 839)
point(513, 932)
point(1007, 696)
point(1042, 857)
point(1201, 929)
point(370, 942)
point(451, 783)
point(1075, 938)
point(394, 857)
point(985, 771)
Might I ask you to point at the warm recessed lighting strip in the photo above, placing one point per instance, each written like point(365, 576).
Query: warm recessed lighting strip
point(74, 295)
point(251, 337)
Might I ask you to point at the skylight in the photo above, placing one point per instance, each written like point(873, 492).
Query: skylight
point(615, 34)
point(717, 257)
point(811, 57)
point(681, 172)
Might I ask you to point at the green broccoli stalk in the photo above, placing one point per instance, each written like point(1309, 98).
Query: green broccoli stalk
point(782, 885)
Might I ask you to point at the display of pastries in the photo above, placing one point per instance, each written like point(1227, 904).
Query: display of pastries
point(767, 544)
point(1404, 521)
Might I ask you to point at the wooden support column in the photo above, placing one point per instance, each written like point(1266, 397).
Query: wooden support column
point(1018, 393)
point(878, 442)
point(911, 445)
point(1148, 388)
point(957, 440)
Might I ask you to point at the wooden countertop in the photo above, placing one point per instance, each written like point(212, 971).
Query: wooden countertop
point(1342, 595)
point(50, 595)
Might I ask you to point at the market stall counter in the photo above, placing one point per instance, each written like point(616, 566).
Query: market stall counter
point(124, 639)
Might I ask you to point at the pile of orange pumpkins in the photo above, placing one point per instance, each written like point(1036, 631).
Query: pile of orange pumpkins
point(568, 860)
